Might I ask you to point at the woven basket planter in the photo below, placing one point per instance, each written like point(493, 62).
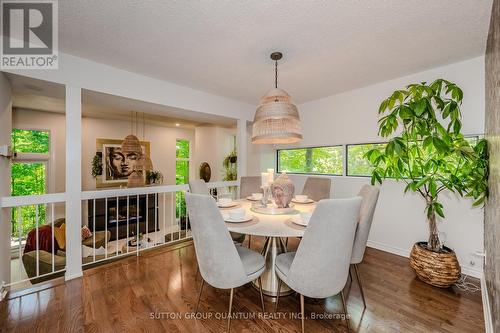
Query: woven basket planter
point(440, 269)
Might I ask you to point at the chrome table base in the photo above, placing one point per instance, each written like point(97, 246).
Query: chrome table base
point(272, 248)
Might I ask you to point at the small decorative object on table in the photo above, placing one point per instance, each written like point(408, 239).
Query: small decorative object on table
point(283, 190)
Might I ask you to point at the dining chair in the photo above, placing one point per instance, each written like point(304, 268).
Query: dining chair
point(198, 186)
point(222, 264)
point(369, 195)
point(317, 188)
point(249, 185)
point(319, 267)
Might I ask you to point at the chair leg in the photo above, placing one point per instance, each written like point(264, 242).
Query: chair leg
point(230, 310)
point(278, 295)
point(360, 285)
point(199, 296)
point(249, 240)
point(344, 305)
point(302, 311)
point(261, 295)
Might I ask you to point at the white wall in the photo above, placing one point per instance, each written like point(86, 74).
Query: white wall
point(351, 117)
point(87, 74)
point(5, 131)
point(212, 145)
point(208, 143)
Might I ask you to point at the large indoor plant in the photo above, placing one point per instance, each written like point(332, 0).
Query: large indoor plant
point(430, 154)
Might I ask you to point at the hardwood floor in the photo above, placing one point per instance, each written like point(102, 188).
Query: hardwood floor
point(148, 293)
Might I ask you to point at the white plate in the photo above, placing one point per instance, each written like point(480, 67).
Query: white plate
point(252, 199)
point(308, 201)
point(247, 218)
point(229, 205)
point(298, 220)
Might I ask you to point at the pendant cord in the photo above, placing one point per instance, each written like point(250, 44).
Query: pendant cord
point(276, 74)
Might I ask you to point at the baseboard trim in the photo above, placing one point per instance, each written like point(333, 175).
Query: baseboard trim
point(406, 253)
point(488, 322)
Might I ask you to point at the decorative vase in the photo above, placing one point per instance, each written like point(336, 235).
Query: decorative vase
point(282, 190)
point(440, 269)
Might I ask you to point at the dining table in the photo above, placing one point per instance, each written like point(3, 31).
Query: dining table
point(275, 228)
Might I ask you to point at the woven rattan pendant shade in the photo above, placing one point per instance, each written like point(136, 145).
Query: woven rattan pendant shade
point(131, 145)
point(276, 119)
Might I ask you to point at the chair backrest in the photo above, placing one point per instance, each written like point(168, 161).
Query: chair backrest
point(249, 185)
point(317, 188)
point(369, 194)
point(198, 186)
point(322, 261)
point(218, 260)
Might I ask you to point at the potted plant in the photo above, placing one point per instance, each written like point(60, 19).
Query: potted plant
point(154, 177)
point(429, 153)
point(230, 168)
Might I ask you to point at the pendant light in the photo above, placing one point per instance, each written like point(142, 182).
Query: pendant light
point(277, 118)
point(131, 144)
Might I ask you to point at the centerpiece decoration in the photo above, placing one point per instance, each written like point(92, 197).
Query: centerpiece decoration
point(280, 191)
point(429, 153)
point(283, 190)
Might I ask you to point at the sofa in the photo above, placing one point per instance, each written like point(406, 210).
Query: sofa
point(45, 257)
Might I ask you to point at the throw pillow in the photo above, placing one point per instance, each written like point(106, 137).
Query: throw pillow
point(60, 236)
point(86, 233)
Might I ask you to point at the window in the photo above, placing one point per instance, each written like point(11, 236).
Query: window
point(182, 156)
point(314, 160)
point(357, 164)
point(29, 175)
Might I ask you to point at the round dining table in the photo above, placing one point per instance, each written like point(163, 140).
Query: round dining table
point(275, 228)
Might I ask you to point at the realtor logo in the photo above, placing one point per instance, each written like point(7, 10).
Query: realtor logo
point(29, 34)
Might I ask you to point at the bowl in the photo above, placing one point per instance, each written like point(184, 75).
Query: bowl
point(237, 214)
point(305, 216)
point(257, 196)
point(225, 201)
point(301, 197)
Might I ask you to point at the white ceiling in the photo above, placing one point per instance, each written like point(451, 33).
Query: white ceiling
point(223, 47)
point(41, 95)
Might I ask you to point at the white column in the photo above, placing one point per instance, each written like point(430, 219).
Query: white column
point(241, 147)
point(5, 130)
point(73, 182)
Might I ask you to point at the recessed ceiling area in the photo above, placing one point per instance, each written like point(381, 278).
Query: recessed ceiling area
point(28, 93)
point(223, 47)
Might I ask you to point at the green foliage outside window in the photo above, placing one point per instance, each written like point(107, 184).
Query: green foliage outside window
point(318, 160)
point(181, 175)
point(30, 141)
point(357, 164)
point(28, 178)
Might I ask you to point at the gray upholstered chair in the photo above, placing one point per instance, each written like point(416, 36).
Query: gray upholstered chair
point(317, 188)
point(198, 186)
point(222, 264)
point(320, 266)
point(249, 185)
point(369, 194)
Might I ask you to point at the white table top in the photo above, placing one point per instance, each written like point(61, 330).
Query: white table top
point(269, 225)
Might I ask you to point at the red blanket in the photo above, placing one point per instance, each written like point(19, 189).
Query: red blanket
point(44, 240)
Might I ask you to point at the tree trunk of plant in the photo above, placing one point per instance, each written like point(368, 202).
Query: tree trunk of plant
point(433, 243)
